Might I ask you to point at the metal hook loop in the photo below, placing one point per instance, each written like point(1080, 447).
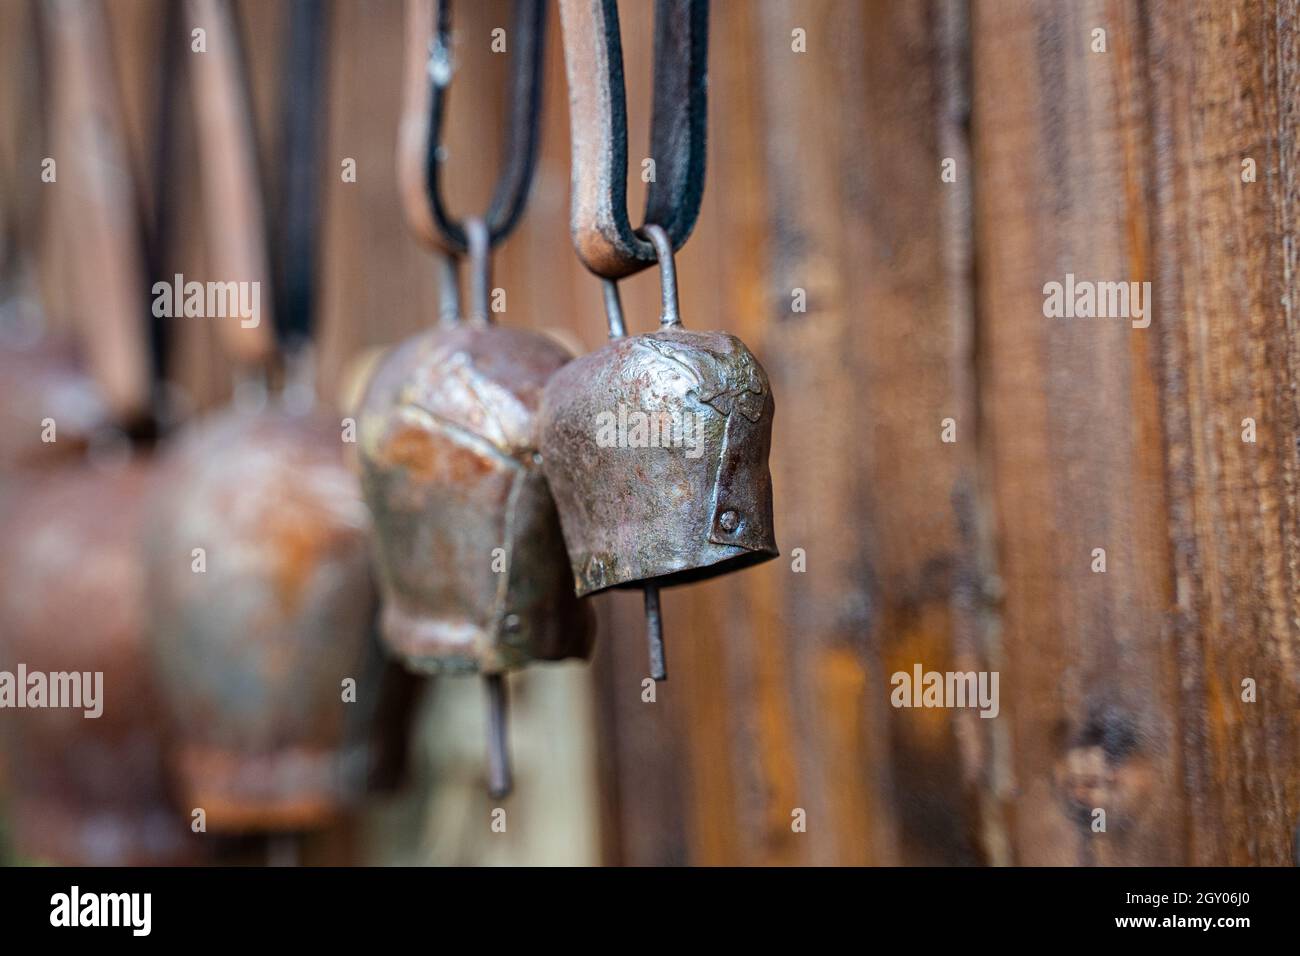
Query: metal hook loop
point(670, 311)
point(480, 278)
point(480, 269)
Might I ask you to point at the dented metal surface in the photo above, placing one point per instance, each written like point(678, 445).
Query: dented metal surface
point(254, 649)
point(655, 447)
point(468, 547)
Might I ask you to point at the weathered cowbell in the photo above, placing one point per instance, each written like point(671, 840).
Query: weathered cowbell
point(655, 447)
point(83, 790)
point(263, 610)
point(468, 545)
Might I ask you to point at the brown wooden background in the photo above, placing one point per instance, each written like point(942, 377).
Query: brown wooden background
point(1119, 690)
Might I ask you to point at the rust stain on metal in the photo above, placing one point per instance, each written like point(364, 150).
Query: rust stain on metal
point(695, 504)
point(253, 650)
point(469, 552)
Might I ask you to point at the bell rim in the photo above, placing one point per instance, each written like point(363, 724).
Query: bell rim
point(239, 792)
point(727, 564)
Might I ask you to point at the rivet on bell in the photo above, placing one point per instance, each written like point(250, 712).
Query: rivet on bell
point(729, 521)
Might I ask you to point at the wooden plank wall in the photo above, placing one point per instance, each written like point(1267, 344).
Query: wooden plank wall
point(924, 300)
point(1072, 407)
point(1225, 257)
point(1124, 689)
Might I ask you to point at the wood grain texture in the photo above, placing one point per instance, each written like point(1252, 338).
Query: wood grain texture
point(1089, 688)
point(1223, 82)
point(1124, 689)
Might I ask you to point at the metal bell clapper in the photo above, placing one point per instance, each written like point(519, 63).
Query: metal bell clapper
point(655, 447)
point(469, 553)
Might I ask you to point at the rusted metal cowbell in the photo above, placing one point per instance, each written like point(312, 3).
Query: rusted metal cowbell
point(263, 611)
point(85, 790)
point(468, 545)
point(655, 447)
